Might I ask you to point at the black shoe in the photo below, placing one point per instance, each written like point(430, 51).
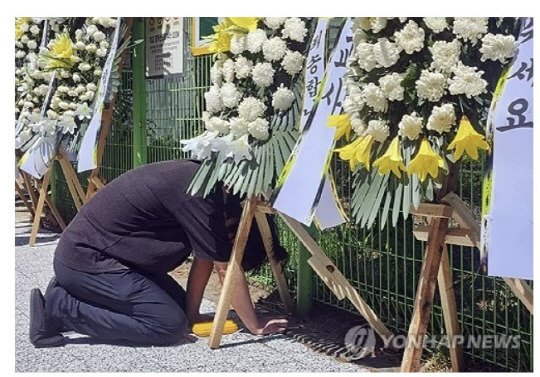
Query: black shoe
point(40, 333)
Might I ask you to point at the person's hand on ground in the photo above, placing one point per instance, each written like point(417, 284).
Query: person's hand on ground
point(270, 325)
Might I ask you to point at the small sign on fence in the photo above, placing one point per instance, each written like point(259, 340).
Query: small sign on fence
point(164, 46)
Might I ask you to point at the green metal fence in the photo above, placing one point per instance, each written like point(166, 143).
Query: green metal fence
point(151, 118)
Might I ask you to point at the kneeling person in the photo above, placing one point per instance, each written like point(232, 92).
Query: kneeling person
point(112, 261)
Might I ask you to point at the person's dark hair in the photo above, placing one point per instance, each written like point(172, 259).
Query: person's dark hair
point(255, 254)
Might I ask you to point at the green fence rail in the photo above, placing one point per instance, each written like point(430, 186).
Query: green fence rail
point(152, 116)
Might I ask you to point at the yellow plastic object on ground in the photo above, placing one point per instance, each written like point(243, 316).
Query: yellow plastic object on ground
point(203, 329)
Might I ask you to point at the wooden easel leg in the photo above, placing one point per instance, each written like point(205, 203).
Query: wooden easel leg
point(23, 198)
point(448, 302)
point(71, 186)
point(424, 295)
point(30, 189)
point(233, 269)
point(75, 187)
point(39, 207)
point(342, 286)
point(523, 291)
point(277, 270)
point(55, 212)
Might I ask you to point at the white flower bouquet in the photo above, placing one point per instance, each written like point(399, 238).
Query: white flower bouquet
point(252, 107)
point(75, 53)
point(418, 95)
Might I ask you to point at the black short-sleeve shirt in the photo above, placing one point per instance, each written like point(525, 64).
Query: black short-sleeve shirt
point(144, 219)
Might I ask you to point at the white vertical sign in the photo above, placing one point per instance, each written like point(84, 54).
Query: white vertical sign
point(302, 188)
point(508, 228)
point(87, 159)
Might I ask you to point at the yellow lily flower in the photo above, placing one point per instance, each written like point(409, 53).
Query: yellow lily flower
point(363, 153)
point(343, 125)
point(62, 47)
point(19, 22)
point(221, 40)
point(357, 151)
point(391, 160)
point(467, 140)
point(426, 162)
point(249, 23)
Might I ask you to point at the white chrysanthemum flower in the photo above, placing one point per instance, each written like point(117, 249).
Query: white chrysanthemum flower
point(292, 62)
point(274, 22)
point(34, 29)
point(375, 98)
point(386, 53)
point(359, 36)
point(442, 118)
point(243, 67)
point(213, 100)
point(228, 70)
point(445, 55)
point(470, 28)
point(378, 129)
point(259, 129)
point(357, 96)
point(251, 108)
point(216, 72)
point(255, 40)
point(263, 74)
point(410, 38)
point(238, 44)
point(32, 45)
point(375, 24)
point(498, 47)
point(468, 81)
point(349, 106)
point(365, 56)
point(437, 24)
point(238, 126)
point(217, 124)
point(282, 98)
point(431, 85)
point(294, 29)
point(411, 126)
point(358, 125)
point(391, 86)
point(230, 95)
point(274, 49)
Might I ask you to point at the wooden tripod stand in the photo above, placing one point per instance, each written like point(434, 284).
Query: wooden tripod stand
point(436, 269)
point(256, 209)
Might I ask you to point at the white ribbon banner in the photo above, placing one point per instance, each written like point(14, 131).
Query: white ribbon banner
point(508, 227)
point(37, 160)
point(87, 158)
point(302, 189)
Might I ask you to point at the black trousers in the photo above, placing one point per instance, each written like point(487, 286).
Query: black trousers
point(120, 305)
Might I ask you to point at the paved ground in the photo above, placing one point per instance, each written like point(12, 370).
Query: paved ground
point(240, 352)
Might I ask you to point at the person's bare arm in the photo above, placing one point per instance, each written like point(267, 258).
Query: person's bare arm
point(242, 304)
point(198, 279)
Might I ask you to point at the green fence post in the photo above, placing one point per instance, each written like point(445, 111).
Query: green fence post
point(304, 279)
point(139, 93)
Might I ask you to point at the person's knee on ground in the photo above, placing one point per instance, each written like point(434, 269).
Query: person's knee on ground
point(170, 327)
point(165, 327)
